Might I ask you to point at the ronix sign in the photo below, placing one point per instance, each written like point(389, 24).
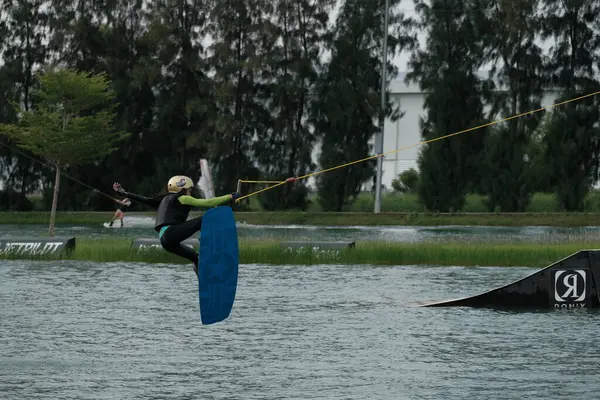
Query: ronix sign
point(571, 288)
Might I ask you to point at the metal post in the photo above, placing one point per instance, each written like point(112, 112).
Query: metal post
point(379, 137)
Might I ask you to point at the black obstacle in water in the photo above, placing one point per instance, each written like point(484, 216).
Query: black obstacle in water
point(151, 243)
point(145, 243)
point(340, 244)
point(572, 282)
point(35, 246)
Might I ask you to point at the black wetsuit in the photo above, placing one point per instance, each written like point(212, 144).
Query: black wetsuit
point(123, 207)
point(172, 214)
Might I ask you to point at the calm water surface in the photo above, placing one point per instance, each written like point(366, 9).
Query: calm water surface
point(132, 331)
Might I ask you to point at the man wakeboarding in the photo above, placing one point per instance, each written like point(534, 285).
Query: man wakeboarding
point(173, 210)
point(120, 213)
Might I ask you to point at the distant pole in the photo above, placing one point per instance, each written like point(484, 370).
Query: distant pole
point(379, 137)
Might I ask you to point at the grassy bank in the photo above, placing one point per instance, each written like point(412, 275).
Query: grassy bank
point(398, 210)
point(533, 255)
point(335, 219)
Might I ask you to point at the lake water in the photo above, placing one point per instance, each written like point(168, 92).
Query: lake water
point(136, 227)
point(75, 330)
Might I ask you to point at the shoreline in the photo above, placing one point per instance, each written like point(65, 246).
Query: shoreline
point(365, 253)
point(556, 219)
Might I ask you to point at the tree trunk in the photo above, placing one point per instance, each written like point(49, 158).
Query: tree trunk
point(54, 199)
point(23, 194)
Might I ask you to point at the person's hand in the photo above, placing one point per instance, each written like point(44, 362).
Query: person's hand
point(117, 188)
point(235, 196)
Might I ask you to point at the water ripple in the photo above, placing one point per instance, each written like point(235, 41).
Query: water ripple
point(113, 331)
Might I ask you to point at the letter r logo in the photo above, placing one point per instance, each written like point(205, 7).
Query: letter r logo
point(570, 286)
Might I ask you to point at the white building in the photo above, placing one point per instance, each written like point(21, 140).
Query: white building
point(406, 131)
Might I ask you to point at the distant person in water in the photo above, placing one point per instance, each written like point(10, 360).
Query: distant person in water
point(120, 213)
point(173, 210)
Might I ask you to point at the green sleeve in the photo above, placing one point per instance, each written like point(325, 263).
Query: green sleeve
point(215, 201)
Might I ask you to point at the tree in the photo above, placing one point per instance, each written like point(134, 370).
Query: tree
point(134, 68)
point(348, 102)
point(237, 108)
point(573, 135)
point(113, 37)
point(512, 29)
point(540, 172)
point(23, 33)
point(71, 123)
point(446, 71)
point(406, 182)
point(296, 37)
point(183, 103)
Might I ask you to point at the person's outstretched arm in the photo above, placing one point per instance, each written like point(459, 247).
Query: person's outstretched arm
point(150, 201)
point(207, 203)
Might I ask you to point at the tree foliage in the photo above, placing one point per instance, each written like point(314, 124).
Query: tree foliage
point(70, 124)
point(24, 27)
point(447, 71)
point(270, 89)
point(407, 181)
point(573, 137)
point(296, 37)
point(349, 104)
point(518, 71)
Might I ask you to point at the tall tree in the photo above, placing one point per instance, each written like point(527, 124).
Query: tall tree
point(23, 51)
point(71, 123)
point(76, 27)
point(573, 135)
point(132, 67)
point(349, 105)
point(447, 71)
point(76, 41)
point(293, 63)
point(112, 38)
point(513, 30)
point(238, 110)
point(183, 91)
point(540, 171)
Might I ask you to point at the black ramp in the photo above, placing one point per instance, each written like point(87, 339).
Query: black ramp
point(569, 283)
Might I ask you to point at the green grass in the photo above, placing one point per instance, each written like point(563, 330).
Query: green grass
point(540, 203)
point(421, 219)
point(336, 218)
point(270, 252)
point(397, 210)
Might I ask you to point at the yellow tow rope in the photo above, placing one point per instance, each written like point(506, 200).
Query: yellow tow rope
point(294, 179)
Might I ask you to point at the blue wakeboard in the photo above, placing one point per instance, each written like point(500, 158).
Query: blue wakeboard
point(217, 264)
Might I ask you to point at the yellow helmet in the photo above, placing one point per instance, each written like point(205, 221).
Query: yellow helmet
point(178, 183)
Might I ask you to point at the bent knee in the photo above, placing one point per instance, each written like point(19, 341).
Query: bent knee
point(168, 245)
